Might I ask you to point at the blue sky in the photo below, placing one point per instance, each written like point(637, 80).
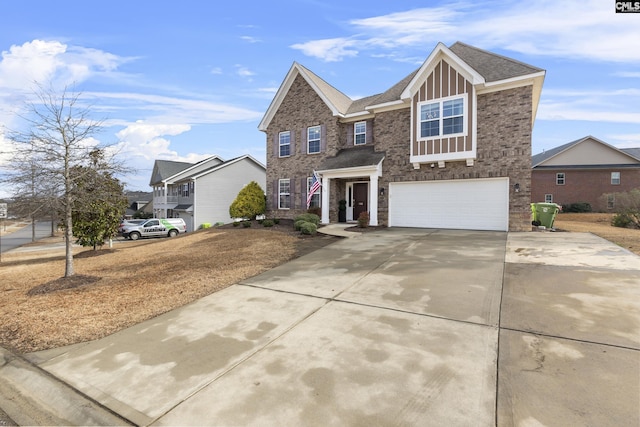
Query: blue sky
point(186, 80)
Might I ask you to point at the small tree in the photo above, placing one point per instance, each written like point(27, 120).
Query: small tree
point(627, 207)
point(249, 203)
point(100, 204)
point(57, 136)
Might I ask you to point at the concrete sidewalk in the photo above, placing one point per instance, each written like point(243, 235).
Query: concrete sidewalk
point(399, 326)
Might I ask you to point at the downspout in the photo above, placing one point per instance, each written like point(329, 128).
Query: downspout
point(166, 190)
point(193, 217)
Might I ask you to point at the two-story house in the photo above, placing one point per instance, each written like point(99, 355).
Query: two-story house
point(587, 170)
point(449, 146)
point(202, 192)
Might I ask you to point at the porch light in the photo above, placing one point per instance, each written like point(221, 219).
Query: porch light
point(382, 191)
point(516, 187)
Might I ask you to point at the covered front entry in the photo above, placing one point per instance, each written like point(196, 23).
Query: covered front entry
point(471, 204)
point(360, 168)
point(357, 198)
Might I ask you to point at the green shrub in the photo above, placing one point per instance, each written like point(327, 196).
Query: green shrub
point(298, 224)
point(236, 223)
point(246, 224)
point(308, 228)
point(579, 207)
point(267, 223)
point(363, 220)
point(249, 203)
point(218, 224)
point(309, 217)
point(621, 220)
point(276, 220)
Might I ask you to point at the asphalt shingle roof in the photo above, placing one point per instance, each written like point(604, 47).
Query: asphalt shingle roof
point(163, 169)
point(353, 157)
point(491, 66)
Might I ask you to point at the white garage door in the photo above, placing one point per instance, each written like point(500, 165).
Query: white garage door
point(470, 204)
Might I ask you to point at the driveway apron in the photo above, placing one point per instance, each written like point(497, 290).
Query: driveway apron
point(395, 327)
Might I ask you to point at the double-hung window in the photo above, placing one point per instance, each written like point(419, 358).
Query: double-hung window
point(360, 133)
point(560, 178)
point(313, 139)
point(615, 178)
point(548, 198)
point(284, 194)
point(442, 118)
point(284, 144)
point(315, 198)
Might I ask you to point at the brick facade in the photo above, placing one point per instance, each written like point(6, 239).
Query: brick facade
point(583, 185)
point(504, 126)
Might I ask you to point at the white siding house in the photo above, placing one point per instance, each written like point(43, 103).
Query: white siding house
point(202, 193)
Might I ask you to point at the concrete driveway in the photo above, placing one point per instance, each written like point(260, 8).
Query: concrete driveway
point(396, 327)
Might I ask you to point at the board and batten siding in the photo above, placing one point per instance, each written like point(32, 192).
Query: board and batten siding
point(442, 82)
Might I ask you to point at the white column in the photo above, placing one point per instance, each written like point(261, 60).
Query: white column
point(373, 199)
point(325, 200)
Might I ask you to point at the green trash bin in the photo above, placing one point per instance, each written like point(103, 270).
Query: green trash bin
point(545, 213)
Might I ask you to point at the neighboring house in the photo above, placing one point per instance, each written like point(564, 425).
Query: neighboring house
point(449, 146)
point(138, 201)
point(586, 170)
point(202, 192)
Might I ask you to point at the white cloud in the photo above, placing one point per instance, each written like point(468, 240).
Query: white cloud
point(585, 29)
point(216, 70)
point(628, 74)
point(52, 61)
point(250, 39)
point(330, 50)
point(244, 71)
point(167, 109)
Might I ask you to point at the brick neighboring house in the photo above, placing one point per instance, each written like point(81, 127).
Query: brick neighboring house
point(584, 170)
point(449, 146)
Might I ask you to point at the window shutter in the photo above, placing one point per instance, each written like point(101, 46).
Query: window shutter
point(369, 135)
point(292, 192)
point(303, 191)
point(350, 140)
point(292, 147)
point(304, 144)
point(276, 145)
point(323, 138)
point(276, 191)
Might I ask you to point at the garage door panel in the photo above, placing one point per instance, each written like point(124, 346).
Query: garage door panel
point(474, 204)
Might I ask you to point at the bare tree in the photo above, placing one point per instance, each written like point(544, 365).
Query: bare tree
point(58, 138)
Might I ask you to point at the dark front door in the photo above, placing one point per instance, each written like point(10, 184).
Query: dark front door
point(360, 197)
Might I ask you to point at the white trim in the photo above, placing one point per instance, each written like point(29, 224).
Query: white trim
point(280, 144)
point(280, 193)
point(319, 139)
point(440, 102)
point(355, 133)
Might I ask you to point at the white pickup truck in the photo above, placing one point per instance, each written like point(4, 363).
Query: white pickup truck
point(155, 227)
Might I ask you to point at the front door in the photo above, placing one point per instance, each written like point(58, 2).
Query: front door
point(360, 198)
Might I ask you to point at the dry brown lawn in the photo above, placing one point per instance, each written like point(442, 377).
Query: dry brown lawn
point(135, 281)
point(600, 225)
point(116, 288)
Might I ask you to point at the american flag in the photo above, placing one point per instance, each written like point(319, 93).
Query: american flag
point(315, 186)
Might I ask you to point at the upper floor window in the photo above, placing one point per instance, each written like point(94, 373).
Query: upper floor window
point(560, 179)
point(548, 198)
point(185, 189)
point(360, 133)
point(284, 143)
point(615, 178)
point(442, 118)
point(313, 139)
point(284, 194)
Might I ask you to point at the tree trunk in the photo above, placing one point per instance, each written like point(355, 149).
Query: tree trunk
point(68, 242)
point(33, 229)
